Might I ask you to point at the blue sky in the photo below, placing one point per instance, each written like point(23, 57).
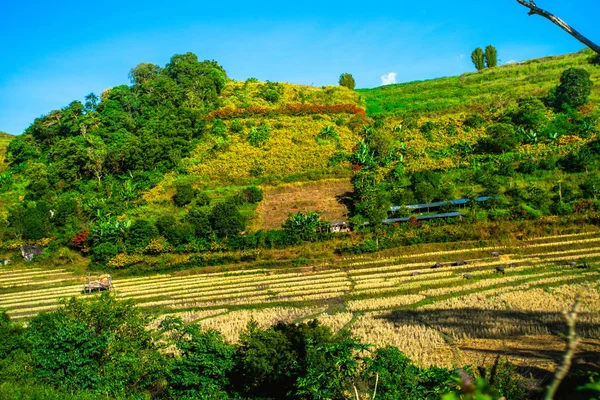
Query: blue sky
point(56, 52)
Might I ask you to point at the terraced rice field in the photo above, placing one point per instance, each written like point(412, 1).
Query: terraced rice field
point(434, 314)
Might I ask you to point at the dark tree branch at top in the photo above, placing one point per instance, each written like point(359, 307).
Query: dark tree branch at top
point(535, 10)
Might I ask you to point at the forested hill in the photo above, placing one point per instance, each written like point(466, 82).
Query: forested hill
point(173, 161)
point(477, 91)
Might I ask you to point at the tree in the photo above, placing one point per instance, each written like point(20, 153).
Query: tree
point(204, 362)
point(574, 89)
point(184, 194)
point(347, 80)
point(491, 57)
point(100, 344)
point(91, 102)
point(226, 219)
point(535, 10)
point(478, 59)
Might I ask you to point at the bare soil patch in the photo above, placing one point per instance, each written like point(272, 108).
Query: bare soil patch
point(324, 196)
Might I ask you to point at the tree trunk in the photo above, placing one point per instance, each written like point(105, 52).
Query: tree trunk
point(535, 10)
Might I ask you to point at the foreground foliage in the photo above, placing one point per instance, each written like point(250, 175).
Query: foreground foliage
point(101, 346)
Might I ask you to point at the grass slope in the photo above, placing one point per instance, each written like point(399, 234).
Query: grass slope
point(477, 91)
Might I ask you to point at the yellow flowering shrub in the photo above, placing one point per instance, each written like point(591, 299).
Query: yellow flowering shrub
point(123, 260)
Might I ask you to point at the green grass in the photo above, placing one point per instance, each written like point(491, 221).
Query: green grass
point(476, 91)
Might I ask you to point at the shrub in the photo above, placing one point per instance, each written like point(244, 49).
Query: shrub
point(347, 80)
point(198, 218)
point(180, 234)
point(184, 194)
point(270, 91)
point(139, 234)
point(290, 109)
point(474, 121)
point(478, 59)
point(164, 223)
point(80, 242)
point(226, 219)
point(500, 139)
point(155, 247)
point(252, 195)
point(259, 136)
point(202, 199)
point(328, 133)
point(531, 114)
point(491, 57)
point(574, 89)
point(103, 252)
point(236, 126)
point(562, 208)
point(219, 128)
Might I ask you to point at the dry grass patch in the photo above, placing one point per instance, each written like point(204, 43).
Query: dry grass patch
point(233, 323)
point(279, 201)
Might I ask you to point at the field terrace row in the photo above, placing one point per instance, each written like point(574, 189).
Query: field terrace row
point(360, 285)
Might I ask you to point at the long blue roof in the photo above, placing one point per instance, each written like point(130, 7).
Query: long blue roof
point(423, 217)
point(442, 203)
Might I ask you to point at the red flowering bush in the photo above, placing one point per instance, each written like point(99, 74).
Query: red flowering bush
point(80, 242)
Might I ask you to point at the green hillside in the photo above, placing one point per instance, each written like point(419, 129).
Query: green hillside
point(5, 139)
point(476, 91)
point(177, 169)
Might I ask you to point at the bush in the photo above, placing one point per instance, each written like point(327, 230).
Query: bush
point(474, 121)
point(219, 128)
point(226, 220)
point(270, 91)
point(531, 114)
point(103, 252)
point(139, 234)
point(500, 138)
point(164, 224)
point(347, 80)
point(202, 199)
point(198, 218)
point(236, 126)
point(184, 194)
point(259, 136)
point(252, 195)
point(328, 133)
point(574, 89)
point(180, 234)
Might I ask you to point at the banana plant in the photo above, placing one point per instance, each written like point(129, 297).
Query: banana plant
point(530, 136)
point(553, 136)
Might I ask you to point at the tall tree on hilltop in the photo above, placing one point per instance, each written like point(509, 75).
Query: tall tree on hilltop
point(478, 59)
point(535, 10)
point(347, 80)
point(491, 57)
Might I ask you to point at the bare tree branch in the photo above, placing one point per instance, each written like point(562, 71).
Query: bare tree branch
point(572, 342)
point(535, 10)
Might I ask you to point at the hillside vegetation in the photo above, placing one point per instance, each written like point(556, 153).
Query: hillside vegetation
point(483, 91)
point(205, 198)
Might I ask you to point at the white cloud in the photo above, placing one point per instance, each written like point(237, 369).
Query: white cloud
point(389, 78)
point(460, 57)
point(511, 62)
